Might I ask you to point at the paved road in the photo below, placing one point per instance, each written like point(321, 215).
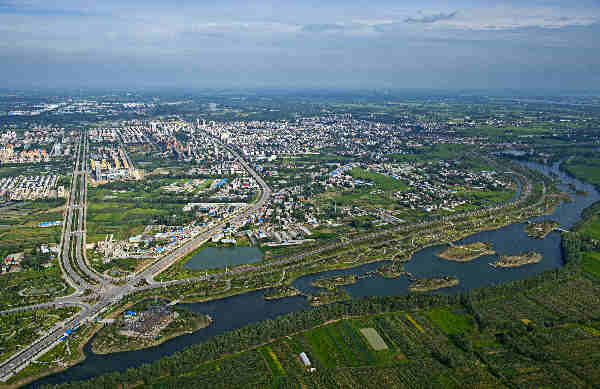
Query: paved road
point(70, 274)
point(111, 293)
point(404, 228)
point(80, 245)
point(108, 292)
point(148, 273)
point(57, 303)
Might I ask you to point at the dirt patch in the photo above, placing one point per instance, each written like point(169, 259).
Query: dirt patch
point(53, 210)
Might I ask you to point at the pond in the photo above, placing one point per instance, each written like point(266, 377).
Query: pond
point(214, 257)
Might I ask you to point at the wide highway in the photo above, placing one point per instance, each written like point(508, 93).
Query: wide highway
point(107, 292)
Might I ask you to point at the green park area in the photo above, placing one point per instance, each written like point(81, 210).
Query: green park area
point(30, 286)
point(359, 197)
point(440, 152)
point(123, 218)
point(381, 181)
point(592, 226)
point(66, 353)
point(22, 328)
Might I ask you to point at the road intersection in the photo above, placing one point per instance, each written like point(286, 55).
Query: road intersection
point(103, 289)
point(106, 291)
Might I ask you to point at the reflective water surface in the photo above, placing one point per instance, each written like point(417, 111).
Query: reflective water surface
point(238, 311)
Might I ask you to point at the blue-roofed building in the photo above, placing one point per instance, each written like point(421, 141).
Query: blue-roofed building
point(50, 224)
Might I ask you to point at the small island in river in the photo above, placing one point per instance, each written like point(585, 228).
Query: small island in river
point(429, 284)
point(281, 292)
point(334, 281)
point(391, 270)
point(468, 252)
point(329, 296)
point(518, 260)
point(146, 325)
point(541, 229)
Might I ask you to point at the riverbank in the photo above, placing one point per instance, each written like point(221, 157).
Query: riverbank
point(329, 296)
point(39, 369)
point(341, 265)
point(431, 284)
point(111, 338)
point(335, 259)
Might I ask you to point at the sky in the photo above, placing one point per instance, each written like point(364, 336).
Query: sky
point(425, 44)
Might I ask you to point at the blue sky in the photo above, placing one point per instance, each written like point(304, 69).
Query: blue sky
point(341, 44)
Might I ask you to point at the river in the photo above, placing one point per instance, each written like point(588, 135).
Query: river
point(238, 311)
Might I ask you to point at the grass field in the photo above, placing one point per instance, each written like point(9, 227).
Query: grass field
point(590, 223)
point(374, 339)
point(381, 181)
point(585, 168)
point(123, 219)
point(21, 231)
point(450, 322)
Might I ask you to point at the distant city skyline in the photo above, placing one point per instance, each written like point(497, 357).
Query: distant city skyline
point(486, 44)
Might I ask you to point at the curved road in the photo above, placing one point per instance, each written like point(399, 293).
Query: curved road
point(110, 293)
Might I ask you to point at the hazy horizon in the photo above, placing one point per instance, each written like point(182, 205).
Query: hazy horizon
point(470, 45)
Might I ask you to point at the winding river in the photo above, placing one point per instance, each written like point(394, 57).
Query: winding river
point(238, 311)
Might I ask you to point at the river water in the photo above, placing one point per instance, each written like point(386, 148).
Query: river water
point(238, 311)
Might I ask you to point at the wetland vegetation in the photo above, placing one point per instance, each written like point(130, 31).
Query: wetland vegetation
point(430, 284)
